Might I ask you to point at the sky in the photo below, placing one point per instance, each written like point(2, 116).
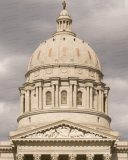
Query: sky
point(101, 23)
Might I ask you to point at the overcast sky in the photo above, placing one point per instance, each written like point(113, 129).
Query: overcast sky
point(26, 23)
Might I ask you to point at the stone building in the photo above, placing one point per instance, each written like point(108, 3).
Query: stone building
point(64, 104)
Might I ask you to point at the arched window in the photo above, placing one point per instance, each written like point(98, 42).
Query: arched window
point(79, 98)
point(63, 97)
point(48, 98)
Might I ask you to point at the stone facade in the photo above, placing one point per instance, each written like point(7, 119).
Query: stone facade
point(64, 104)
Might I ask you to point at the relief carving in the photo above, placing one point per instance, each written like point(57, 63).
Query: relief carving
point(92, 74)
point(36, 73)
point(49, 71)
point(64, 70)
point(63, 132)
point(20, 157)
point(79, 71)
point(106, 156)
point(37, 156)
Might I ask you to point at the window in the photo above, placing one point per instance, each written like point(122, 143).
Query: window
point(63, 97)
point(79, 98)
point(48, 98)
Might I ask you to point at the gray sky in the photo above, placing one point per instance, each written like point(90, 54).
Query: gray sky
point(26, 23)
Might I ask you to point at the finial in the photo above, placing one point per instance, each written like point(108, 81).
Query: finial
point(64, 5)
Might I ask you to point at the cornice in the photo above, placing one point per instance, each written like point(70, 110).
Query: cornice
point(62, 140)
point(92, 112)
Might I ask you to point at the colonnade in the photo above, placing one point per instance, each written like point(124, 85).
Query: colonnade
point(56, 157)
point(92, 98)
point(64, 25)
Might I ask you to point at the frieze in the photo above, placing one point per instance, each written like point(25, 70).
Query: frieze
point(63, 132)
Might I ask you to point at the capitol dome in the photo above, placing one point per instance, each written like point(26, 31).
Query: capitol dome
point(64, 82)
point(64, 48)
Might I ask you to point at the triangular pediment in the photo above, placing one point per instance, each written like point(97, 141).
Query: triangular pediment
point(63, 129)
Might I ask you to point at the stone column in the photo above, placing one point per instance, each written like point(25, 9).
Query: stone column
point(74, 96)
point(70, 96)
point(27, 101)
point(106, 104)
point(106, 157)
point(88, 97)
point(89, 156)
point(72, 156)
point(20, 157)
point(53, 97)
point(40, 97)
point(36, 156)
point(95, 101)
point(91, 98)
point(100, 101)
point(32, 99)
point(54, 156)
point(37, 98)
point(21, 103)
point(57, 98)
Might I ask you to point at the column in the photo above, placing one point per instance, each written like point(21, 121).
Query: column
point(91, 98)
point(74, 96)
point(36, 156)
point(70, 26)
point(20, 157)
point(27, 100)
point(107, 157)
point(72, 156)
point(106, 104)
point(53, 97)
point(54, 156)
point(70, 96)
point(99, 101)
point(21, 104)
point(62, 25)
point(37, 98)
point(40, 97)
point(85, 98)
point(95, 101)
point(88, 97)
point(32, 100)
point(89, 156)
point(102, 101)
point(57, 100)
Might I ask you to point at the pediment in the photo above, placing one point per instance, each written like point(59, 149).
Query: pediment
point(63, 129)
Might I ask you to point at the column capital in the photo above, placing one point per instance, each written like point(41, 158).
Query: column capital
point(54, 156)
point(90, 156)
point(20, 157)
point(106, 156)
point(37, 156)
point(72, 156)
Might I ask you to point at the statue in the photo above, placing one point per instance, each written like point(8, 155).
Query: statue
point(64, 5)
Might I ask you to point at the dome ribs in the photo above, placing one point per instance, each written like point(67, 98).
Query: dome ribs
point(38, 55)
point(89, 54)
point(64, 51)
point(50, 52)
point(78, 52)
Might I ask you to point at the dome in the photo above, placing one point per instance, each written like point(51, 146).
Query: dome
point(57, 50)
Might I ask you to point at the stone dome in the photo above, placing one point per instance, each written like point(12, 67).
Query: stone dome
point(57, 50)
